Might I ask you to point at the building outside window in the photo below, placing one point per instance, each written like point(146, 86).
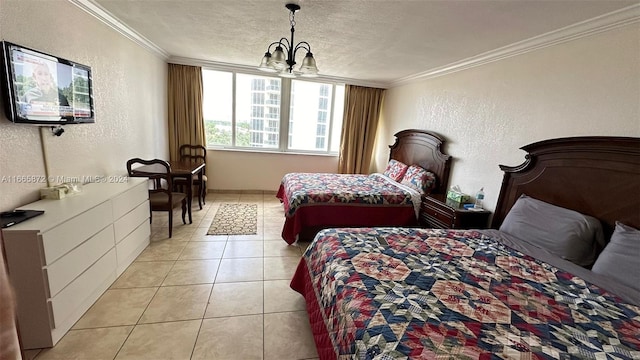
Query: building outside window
point(308, 113)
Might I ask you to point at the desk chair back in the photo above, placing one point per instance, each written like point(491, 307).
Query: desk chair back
point(195, 153)
point(161, 197)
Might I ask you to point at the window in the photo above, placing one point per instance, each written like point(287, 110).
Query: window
point(271, 113)
point(272, 126)
point(274, 99)
point(217, 107)
point(310, 106)
point(257, 112)
point(323, 102)
point(324, 91)
point(274, 84)
point(257, 84)
point(322, 117)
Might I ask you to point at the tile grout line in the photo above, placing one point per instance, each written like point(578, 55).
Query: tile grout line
point(195, 343)
point(264, 355)
point(150, 301)
point(192, 239)
point(209, 297)
point(143, 311)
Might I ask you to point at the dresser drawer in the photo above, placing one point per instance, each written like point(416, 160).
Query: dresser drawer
point(129, 200)
point(83, 289)
point(126, 224)
point(132, 245)
point(70, 266)
point(432, 223)
point(66, 236)
point(435, 214)
point(62, 261)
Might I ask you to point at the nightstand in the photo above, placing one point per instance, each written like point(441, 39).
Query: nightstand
point(436, 214)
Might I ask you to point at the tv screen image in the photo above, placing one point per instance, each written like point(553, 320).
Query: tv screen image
point(44, 89)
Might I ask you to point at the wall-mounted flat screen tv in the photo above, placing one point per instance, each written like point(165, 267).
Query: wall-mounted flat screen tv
point(42, 89)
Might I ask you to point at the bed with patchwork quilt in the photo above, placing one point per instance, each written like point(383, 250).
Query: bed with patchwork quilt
point(558, 276)
point(400, 293)
point(314, 201)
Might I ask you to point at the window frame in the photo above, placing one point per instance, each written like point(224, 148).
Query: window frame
point(285, 106)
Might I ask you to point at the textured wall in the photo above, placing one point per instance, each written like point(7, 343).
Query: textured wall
point(242, 170)
point(589, 86)
point(129, 96)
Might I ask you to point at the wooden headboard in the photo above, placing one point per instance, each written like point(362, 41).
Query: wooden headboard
point(420, 147)
point(597, 176)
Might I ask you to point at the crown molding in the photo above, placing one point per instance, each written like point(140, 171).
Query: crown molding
point(214, 65)
point(106, 17)
point(623, 17)
point(103, 15)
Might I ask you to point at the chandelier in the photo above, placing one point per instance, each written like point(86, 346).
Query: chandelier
point(283, 63)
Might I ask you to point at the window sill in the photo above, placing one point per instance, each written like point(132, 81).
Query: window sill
point(273, 152)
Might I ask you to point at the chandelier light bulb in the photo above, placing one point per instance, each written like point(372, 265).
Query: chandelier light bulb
point(264, 64)
point(278, 59)
point(308, 67)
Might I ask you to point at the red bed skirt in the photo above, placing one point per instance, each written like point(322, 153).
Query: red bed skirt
point(301, 283)
point(309, 219)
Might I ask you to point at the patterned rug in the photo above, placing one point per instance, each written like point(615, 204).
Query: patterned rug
point(235, 219)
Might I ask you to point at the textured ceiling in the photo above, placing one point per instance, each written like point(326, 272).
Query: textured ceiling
point(370, 40)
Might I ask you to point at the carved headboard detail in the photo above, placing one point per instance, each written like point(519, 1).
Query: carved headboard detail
point(596, 175)
point(424, 148)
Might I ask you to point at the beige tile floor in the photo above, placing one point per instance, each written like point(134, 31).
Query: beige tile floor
point(201, 297)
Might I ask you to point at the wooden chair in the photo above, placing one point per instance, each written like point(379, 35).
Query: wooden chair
point(161, 197)
point(194, 153)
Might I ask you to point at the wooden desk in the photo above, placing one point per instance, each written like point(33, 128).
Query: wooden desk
point(181, 169)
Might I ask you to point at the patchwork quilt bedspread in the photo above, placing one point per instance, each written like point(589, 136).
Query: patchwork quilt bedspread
point(318, 188)
point(443, 294)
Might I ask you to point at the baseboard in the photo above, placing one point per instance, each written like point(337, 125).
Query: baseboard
point(257, 192)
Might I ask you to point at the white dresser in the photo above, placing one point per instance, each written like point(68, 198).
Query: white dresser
point(63, 260)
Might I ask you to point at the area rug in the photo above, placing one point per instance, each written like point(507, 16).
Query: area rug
point(235, 219)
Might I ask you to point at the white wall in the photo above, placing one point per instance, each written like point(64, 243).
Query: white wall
point(589, 86)
point(129, 92)
point(243, 170)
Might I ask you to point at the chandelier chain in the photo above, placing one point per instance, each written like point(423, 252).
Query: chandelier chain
point(292, 18)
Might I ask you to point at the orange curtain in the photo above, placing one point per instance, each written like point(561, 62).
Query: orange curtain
point(361, 113)
point(186, 120)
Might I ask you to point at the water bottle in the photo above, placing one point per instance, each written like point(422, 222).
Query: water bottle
point(479, 199)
